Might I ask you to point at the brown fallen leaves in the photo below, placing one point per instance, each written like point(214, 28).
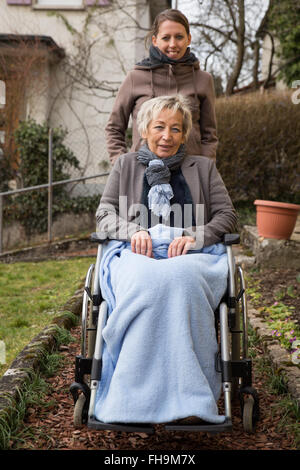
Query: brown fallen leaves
point(51, 426)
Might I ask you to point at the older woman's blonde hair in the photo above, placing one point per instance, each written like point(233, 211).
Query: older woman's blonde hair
point(151, 109)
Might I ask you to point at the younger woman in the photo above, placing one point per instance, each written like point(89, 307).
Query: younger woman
point(171, 68)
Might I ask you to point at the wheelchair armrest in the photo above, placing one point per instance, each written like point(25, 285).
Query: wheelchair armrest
point(231, 239)
point(102, 237)
point(99, 237)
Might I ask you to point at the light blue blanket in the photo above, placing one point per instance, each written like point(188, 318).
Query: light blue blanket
point(159, 340)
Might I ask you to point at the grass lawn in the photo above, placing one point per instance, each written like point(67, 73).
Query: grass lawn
point(30, 295)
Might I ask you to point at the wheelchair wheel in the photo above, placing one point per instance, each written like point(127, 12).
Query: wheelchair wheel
point(88, 329)
point(78, 414)
point(248, 414)
point(249, 401)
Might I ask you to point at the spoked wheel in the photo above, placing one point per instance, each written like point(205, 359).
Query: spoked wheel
point(87, 327)
point(79, 411)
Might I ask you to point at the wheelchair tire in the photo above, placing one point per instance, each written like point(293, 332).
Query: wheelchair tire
point(78, 411)
point(248, 416)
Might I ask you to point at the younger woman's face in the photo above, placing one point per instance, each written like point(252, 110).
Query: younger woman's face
point(172, 39)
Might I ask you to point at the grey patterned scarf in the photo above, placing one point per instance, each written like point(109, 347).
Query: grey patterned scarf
point(158, 174)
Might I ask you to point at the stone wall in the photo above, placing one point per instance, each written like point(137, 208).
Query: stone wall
point(65, 225)
point(271, 252)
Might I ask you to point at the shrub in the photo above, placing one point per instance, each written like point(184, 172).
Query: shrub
point(284, 19)
point(259, 149)
point(5, 171)
point(32, 140)
point(31, 208)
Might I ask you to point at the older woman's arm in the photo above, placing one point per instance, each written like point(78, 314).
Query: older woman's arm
point(107, 214)
point(222, 215)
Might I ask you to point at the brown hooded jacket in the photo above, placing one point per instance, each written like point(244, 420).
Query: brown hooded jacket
point(143, 83)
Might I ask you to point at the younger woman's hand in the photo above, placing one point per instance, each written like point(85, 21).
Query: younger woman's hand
point(180, 246)
point(141, 243)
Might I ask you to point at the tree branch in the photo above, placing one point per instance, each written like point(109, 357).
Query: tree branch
point(226, 34)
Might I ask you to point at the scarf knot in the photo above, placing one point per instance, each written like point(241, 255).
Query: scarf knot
point(158, 174)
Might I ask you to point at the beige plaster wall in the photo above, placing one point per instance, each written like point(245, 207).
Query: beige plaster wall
point(81, 108)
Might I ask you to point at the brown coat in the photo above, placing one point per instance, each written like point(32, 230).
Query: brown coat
point(144, 83)
point(207, 189)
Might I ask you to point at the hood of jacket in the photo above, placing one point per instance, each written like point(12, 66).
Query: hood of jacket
point(158, 59)
point(157, 62)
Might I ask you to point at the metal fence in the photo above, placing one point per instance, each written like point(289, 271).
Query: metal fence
point(50, 185)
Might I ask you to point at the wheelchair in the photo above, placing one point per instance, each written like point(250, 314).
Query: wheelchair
point(232, 360)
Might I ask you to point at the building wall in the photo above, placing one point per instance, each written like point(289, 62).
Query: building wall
point(266, 55)
point(77, 92)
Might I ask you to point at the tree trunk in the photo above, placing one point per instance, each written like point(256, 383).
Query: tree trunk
point(256, 64)
point(240, 49)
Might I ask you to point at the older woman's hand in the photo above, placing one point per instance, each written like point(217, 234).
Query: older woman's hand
point(141, 243)
point(180, 246)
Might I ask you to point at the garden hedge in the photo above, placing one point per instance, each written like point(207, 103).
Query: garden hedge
point(259, 146)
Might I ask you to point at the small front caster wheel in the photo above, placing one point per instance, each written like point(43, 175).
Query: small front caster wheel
point(78, 415)
point(248, 421)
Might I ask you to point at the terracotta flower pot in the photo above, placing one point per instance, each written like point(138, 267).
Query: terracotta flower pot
point(276, 219)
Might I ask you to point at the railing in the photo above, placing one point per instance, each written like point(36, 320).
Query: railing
point(48, 185)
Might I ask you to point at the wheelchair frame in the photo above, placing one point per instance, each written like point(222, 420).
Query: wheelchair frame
point(232, 360)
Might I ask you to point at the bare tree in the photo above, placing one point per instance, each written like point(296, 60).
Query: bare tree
point(98, 38)
point(101, 50)
point(239, 29)
point(225, 33)
point(86, 78)
point(21, 58)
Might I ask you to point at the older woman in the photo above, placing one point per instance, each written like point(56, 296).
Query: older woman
point(163, 276)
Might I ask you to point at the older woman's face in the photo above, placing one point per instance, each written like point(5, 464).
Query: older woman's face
point(164, 134)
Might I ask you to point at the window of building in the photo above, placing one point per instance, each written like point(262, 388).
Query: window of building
point(60, 3)
point(18, 2)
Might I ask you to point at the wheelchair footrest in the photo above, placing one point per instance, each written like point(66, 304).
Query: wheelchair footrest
point(202, 427)
point(123, 427)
